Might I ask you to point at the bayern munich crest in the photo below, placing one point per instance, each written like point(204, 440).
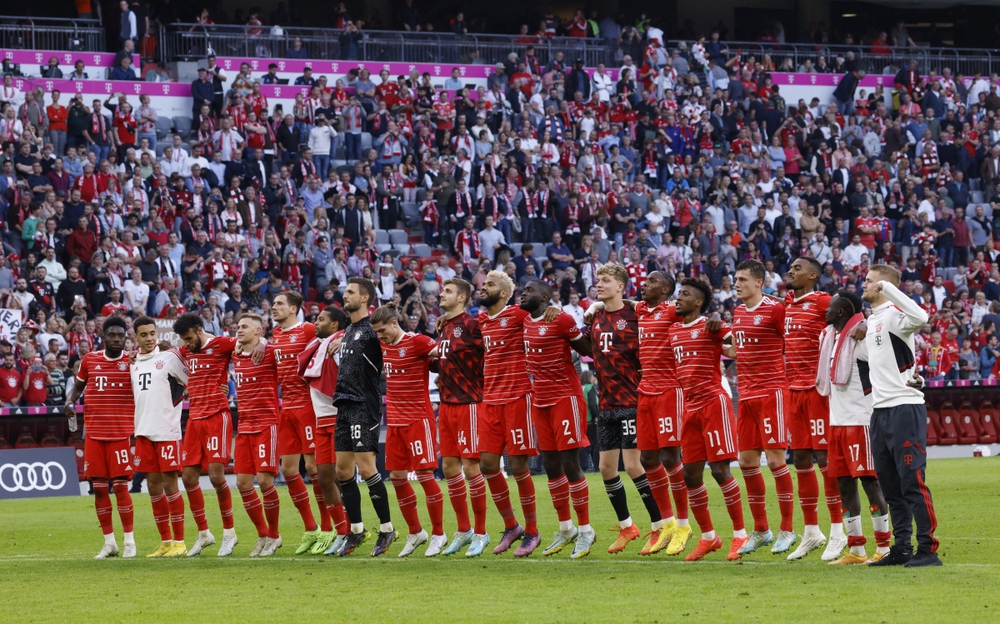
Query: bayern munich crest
point(122, 366)
point(503, 322)
point(159, 365)
point(208, 352)
point(757, 320)
point(621, 325)
point(657, 316)
point(135, 460)
point(878, 328)
point(542, 331)
point(694, 334)
point(457, 332)
point(806, 305)
point(357, 335)
point(293, 339)
point(402, 352)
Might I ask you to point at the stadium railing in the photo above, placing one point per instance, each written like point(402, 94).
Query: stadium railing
point(41, 33)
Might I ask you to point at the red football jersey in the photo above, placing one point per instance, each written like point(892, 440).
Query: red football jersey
point(805, 318)
point(505, 376)
point(10, 383)
point(407, 373)
point(208, 374)
point(256, 391)
point(460, 366)
point(759, 335)
point(615, 340)
point(655, 355)
point(553, 376)
point(697, 353)
point(109, 412)
point(288, 344)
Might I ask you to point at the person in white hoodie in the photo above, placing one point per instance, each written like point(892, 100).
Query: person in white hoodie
point(321, 138)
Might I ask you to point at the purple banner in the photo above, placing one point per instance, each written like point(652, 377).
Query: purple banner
point(66, 59)
point(340, 68)
point(104, 88)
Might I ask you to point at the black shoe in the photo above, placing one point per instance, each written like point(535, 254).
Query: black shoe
point(383, 542)
point(924, 560)
point(896, 556)
point(353, 541)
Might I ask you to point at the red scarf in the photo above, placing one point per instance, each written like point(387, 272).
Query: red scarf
point(97, 127)
point(459, 208)
point(431, 214)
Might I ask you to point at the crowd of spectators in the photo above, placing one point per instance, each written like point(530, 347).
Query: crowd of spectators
point(688, 161)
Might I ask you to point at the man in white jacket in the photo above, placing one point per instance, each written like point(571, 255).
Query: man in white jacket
point(320, 141)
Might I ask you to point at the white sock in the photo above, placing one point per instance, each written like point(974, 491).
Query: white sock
point(229, 532)
point(204, 533)
point(881, 525)
point(812, 530)
point(626, 523)
point(682, 522)
point(385, 527)
point(854, 529)
point(585, 528)
point(566, 526)
point(740, 534)
point(656, 526)
point(708, 536)
point(836, 530)
point(358, 527)
point(129, 537)
point(109, 539)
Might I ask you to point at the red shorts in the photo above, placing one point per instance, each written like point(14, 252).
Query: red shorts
point(459, 430)
point(256, 452)
point(106, 459)
point(761, 424)
point(658, 420)
point(808, 420)
point(207, 440)
point(296, 431)
point(849, 453)
point(562, 426)
point(507, 426)
point(153, 456)
point(411, 447)
point(709, 428)
point(325, 453)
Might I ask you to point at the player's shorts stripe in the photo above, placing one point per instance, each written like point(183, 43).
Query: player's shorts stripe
point(576, 417)
point(274, 445)
point(224, 442)
point(779, 396)
point(680, 410)
point(473, 428)
point(727, 432)
point(428, 442)
point(869, 460)
point(530, 422)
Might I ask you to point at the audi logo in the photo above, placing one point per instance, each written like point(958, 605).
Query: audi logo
point(25, 477)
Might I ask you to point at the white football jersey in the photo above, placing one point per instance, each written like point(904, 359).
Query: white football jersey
point(158, 381)
point(851, 404)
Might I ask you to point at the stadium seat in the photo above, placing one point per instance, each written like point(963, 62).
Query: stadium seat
point(969, 428)
point(932, 432)
point(412, 212)
point(50, 439)
point(164, 125)
point(949, 286)
point(383, 247)
point(160, 146)
point(422, 262)
point(4, 444)
point(947, 432)
point(421, 250)
point(988, 418)
point(366, 141)
point(311, 294)
point(382, 237)
point(977, 197)
point(402, 248)
point(398, 237)
point(515, 249)
point(25, 439)
point(183, 125)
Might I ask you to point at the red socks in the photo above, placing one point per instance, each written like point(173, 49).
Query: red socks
point(580, 493)
point(125, 509)
point(300, 498)
point(477, 495)
point(734, 502)
point(435, 501)
point(407, 500)
point(196, 501)
point(680, 491)
point(251, 502)
point(526, 490)
point(272, 507)
point(161, 515)
point(808, 495)
point(559, 491)
point(659, 485)
point(102, 504)
point(175, 502)
point(833, 503)
point(225, 504)
point(457, 494)
point(339, 518)
point(786, 496)
point(699, 507)
point(325, 522)
point(501, 498)
point(756, 497)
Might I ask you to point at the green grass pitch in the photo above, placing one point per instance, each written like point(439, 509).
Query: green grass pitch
point(47, 573)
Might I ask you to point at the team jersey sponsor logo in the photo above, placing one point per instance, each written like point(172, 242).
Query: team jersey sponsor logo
point(621, 325)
